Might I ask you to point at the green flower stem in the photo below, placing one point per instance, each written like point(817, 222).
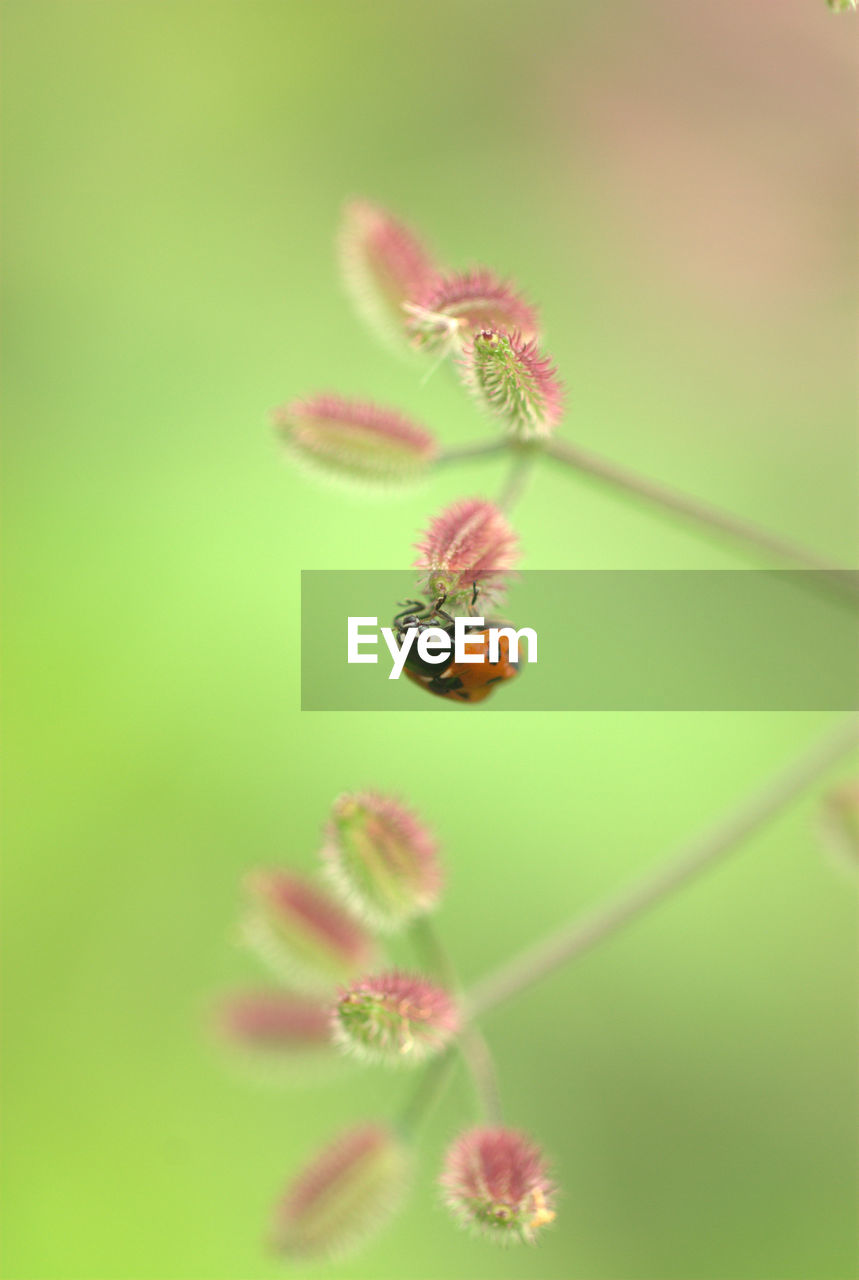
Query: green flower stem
point(699, 855)
point(471, 1043)
point(432, 1084)
point(700, 513)
point(487, 449)
point(585, 932)
point(524, 457)
point(743, 532)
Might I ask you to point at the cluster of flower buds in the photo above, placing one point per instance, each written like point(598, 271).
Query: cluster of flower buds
point(382, 864)
point(380, 859)
point(483, 322)
point(492, 333)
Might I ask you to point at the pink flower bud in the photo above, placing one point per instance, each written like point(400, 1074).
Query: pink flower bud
point(275, 1022)
point(470, 543)
point(495, 1182)
point(841, 823)
point(344, 1195)
point(382, 859)
point(384, 265)
point(355, 440)
point(304, 936)
point(513, 381)
point(394, 1017)
point(455, 306)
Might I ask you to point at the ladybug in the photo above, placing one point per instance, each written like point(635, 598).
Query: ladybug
point(459, 681)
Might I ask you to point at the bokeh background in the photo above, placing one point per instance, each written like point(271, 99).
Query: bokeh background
point(674, 184)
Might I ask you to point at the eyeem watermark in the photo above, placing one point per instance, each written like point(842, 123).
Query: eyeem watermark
point(436, 645)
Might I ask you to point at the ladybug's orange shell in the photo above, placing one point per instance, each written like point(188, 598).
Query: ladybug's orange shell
point(470, 681)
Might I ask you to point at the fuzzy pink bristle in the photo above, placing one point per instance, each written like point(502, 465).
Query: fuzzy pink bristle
point(511, 378)
point(472, 538)
point(475, 299)
point(273, 1019)
point(300, 899)
point(496, 1180)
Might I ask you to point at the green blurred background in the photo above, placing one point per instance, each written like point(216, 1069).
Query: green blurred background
point(674, 184)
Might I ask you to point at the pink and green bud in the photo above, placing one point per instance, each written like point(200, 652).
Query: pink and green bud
point(495, 1183)
point(512, 380)
point(355, 440)
point(382, 859)
point(275, 1023)
point(394, 1018)
point(841, 823)
point(469, 544)
point(456, 306)
point(304, 936)
point(384, 265)
point(344, 1196)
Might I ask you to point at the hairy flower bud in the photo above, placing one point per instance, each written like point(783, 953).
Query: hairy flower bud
point(355, 440)
point(394, 1017)
point(384, 265)
point(455, 306)
point(841, 822)
point(344, 1195)
point(495, 1182)
point(468, 544)
point(304, 936)
point(274, 1022)
point(513, 381)
point(382, 859)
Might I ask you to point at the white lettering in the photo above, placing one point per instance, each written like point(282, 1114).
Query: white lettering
point(399, 654)
point(354, 639)
point(434, 644)
point(528, 633)
point(462, 639)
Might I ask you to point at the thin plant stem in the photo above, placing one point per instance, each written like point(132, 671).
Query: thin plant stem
point(432, 1084)
point(487, 449)
point(471, 1042)
point(699, 855)
point(481, 1066)
point(701, 513)
point(524, 457)
point(743, 532)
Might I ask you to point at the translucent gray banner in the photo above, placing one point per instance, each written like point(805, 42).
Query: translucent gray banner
point(741, 640)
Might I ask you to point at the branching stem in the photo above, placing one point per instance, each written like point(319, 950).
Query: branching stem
point(472, 1045)
point(744, 533)
point(701, 853)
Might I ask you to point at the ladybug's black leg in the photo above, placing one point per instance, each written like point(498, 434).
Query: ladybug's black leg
point(416, 609)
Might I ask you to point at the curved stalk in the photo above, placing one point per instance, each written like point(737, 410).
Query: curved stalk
point(699, 855)
point(465, 453)
point(701, 513)
point(744, 533)
point(470, 1041)
point(524, 457)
